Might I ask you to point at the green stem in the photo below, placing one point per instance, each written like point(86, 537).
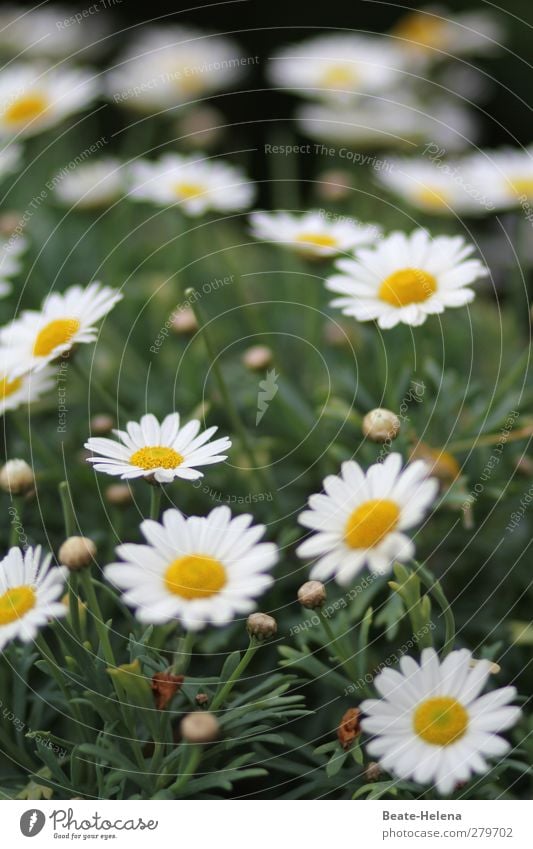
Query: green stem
point(263, 479)
point(191, 765)
point(489, 439)
point(69, 516)
point(155, 501)
point(437, 592)
point(16, 520)
point(94, 606)
point(107, 399)
point(334, 642)
point(184, 653)
point(221, 696)
point(48, 655)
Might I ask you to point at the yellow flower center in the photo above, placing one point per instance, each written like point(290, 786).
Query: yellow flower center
point(369, 523)
point(195, 576)
point(56, 333)
point(420, 31)
point(339, 75)
point(15, 603)
point(408, 286)
point(189, 190)
point(432, 198)
point(440, 721)
point(156, 457)
point(25, 109)
point(523, 186)
point(321, 240)
point(8, 387)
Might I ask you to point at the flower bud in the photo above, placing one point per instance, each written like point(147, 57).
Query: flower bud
point(201, 127)
point(443, 465)
point(257, 357)
point(261, 626)
point(101, 424)
point(77, 553)
point(10, 222)
point(333, 185)
point(373, 771)
point(184, 321)
point(349, 728)
point(201, 698)
point(199, 727)
point(164, 687)
point(312, 594)
point(381, 425)
point(118, 494)
point(16, 477)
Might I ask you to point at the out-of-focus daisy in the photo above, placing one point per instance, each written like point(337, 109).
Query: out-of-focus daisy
point(65, 320)
point(163, 450)
point(33, 98)
point(506, 174)
point(313, 233)
point(198, 570)
point(403, 279)
point(431, 725)
point(92, 185)
point(396, 121)
point(337, 66)
point(168, 66)
point(361, 518)
point(437, 33)
point(10, 159)
point(29, 593)
point(194, 185)
point(18, 391)
point(440, 188)
point(11, 250)
point(50, 31)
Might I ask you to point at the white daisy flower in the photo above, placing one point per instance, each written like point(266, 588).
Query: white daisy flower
point(506, 175)
point(168, 66)
point(395, 121)
point(92, 185)
point(65, 320)
point(437, 33)
point(33, 98)
point(50, 31)
point(403, 279)
point(163, 450)
point(361, 519)
point(18, 391)
point(199, 570)
point(312, 234)
point(29, 593)
point(10, 159)
point(337, 66)
point(444, 187)
point(11, 249)
point(431, 725)
point(195, 185)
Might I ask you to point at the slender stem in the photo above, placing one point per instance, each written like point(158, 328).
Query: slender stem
point(191, 765)
point(48, 655)
point(16, 520)
point(155, 500)
point(489, 439)
point(263, 479)
point(89, 380)
point(334, 642)
point(184, 653)
point(94, 606)
point(223, 694)
point(436, 590)
point(69, 516)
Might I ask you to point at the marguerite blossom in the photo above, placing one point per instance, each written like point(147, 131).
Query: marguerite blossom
point(33, 98)
point(164, 451)
point(362, 517)
point(193, 185)
point(11, 249)
point(29, 593)
point(313, 233)
point(198, 570)
point(39, 336)
point(18, 391)
point(436, 33)
point(92, 185)
point(49, 31)
point(431, 725)
point(403, 279)
point(337, 66)
point(10, 159)
point(506, 174)
point(167, 66)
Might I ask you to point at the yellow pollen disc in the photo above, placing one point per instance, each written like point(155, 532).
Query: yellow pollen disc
point(371, 522)
point(432, 198)
point(56, 333)
point(420, 31)
point(195, 576)
point(321, 240)
point(440, 721)
point(8, 387)
point(408, 286)
point(156, 457)
point(339, 75)
point(523, 186)
point(189, 190)
point(25, 109)
point(15, 603)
